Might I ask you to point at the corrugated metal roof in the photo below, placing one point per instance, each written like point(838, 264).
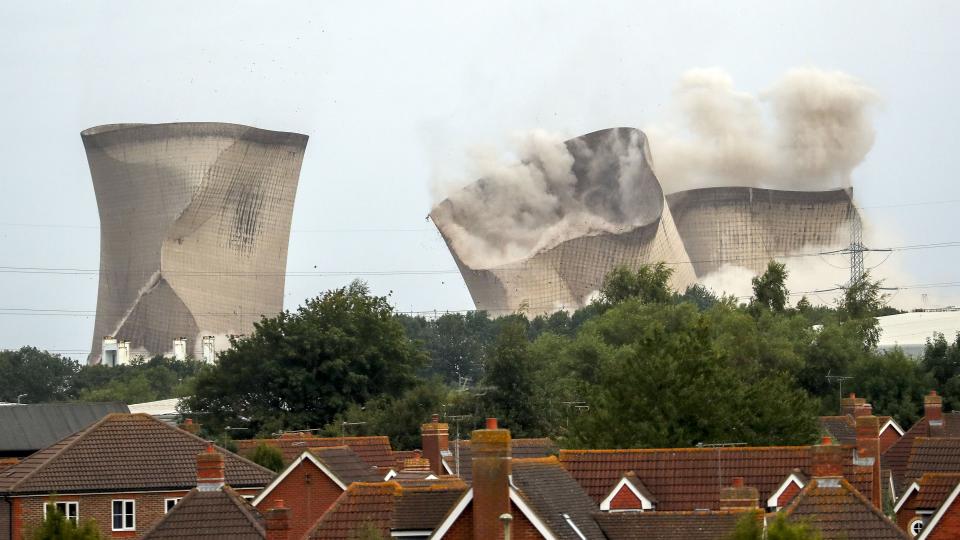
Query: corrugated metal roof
point(26, 428)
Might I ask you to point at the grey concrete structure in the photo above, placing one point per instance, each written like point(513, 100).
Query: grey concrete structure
point(747, 227)
point(565, 275)
point(194, 226)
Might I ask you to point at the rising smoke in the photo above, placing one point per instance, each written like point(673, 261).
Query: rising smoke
point(806, 133)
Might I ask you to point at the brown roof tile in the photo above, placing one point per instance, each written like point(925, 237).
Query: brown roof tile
point(423, 508)
point(839, 511)
point(519, 449)
point(361, 506)
point(375, 451)
point(124, 452)
point(929, 455)
point(552, 493)
point(711, 525)
point(684, 479)
point(346, 464)
point(897, 456)
point(210, 515)
point(842, 429)
point(934, 489)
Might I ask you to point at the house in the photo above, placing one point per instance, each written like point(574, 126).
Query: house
point(125, 471)
point(842, 428)
point(25, 429)
point(313, 482)
point(934, 424)
point(836, 508)
point(689, 479)
point(542, 499)
point(945, 522)
point(375, 451)
point(213, 510)
point(922, 499)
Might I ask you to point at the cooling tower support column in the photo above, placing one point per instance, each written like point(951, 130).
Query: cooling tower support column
point(194, 226)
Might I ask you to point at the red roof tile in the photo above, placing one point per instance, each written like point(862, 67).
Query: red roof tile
point(711, 525)
point(210, 515)
point(934, 489)
point(897, 456)
point(519, 449)
point(691, 478)
point(375, 451)
point(842, 429)
point(124, 452)
point(839, 511)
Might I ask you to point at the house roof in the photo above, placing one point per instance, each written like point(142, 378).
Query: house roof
point(123, 452)
point(519, 449)
point(839, 511)
point(897, 456)
point(934, 489)
point(669, 525)
point(553, 494)
point(210, 515)
point(28, 428)
point(691, 478)
point(930, 455)
point(346, 464)
point(385, 507)
point(375, 451)
point(6, 463)
point(842, 429)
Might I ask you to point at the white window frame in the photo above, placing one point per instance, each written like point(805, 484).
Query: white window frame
point(913, 523)
point(167, 507)
point(133, 515)
point(67, 504)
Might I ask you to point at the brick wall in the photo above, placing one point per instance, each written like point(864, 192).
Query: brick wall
point(307, 492)
point(522, 529)
point(5, 516)
point(887, 438)
point(949, 526)
point(787, 495)
point(462, 528)
point(625, 500)
point(149, 509)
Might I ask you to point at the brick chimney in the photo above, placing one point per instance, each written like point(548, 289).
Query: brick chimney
point(277, 521)
point(739, 497)
point(868, 453)
point(848, 405)
point(933, 413)
point(491, 479)
point(435, 439)
point(827, 459)
point(863, 409)
point(416, 463)
point(210, 475)
point(189, 426)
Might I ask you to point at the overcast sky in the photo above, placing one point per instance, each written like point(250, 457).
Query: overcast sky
point(395, 94)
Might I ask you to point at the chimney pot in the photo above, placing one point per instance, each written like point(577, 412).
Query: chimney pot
point(739, 497)
point(491, 423)
point(738, 481)
point(435, 419)
point(277, 521)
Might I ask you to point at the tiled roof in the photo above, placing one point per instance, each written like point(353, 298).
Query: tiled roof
point(6, 463)
point(691, 478)
point(375, 451)
point(210, 515)
point(552, 493)
point(934, 489)
point(519, 449)
point(669, 525)
point(422, 509)
point(839, 511)
point(346, 464)
point(842, 429)
point(124, 452)
point(400, 456)
point(897, 456)
point(638, 485)
point(930, 455)
point(28, 428)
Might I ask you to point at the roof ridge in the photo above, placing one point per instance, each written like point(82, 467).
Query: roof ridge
point(245, 508)
point(546, 460)
point(572, 451)
point(876, 511)
point(78, 436)
point(176, 508)
point(206, 442)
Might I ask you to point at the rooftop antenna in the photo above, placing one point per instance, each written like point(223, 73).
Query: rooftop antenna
point(580, 406)
point(343, 430)
point(718, 446)
point(839, 379)
point(456, 446)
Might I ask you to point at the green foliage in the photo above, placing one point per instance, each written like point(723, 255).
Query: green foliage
point(268, 456)
point(650, 283)
point(859, 307)
point(894, 382)
point(298, 370)
point(770, 288)
point(57, 527)
point(749, 527)
point(38, 374)
point(510, 382)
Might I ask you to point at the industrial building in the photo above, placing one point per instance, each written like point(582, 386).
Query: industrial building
point(194, 227)
point(695, 232)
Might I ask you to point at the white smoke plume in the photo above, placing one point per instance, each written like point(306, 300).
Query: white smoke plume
point(806, 133)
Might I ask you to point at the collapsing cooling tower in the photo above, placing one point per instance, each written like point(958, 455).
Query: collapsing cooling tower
point(194, 226)
point(613, 214)
point(747, 227)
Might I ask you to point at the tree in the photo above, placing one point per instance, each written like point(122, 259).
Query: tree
point(268, 456)
point(894, 383)
point(56, 526)
point(770, 288)
point(749, 527)
point(650, 283)
point(298, 370)
point(859, 307)
point(510, 382)
point(38, 374)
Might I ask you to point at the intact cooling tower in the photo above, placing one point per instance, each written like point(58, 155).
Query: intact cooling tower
point(747, 227)
point(615, 186)
point(194, 226)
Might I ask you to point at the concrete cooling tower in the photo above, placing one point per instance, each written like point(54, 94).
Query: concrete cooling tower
point(194, 226)
point(747, 227)
point(612, 212)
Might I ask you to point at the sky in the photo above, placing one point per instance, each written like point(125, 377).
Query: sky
point(396, 95)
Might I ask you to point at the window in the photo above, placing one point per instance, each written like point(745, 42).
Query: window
point(249, 498)
point(124, 516)
point(168, 504)
point(68, 509)
point(916, 526)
